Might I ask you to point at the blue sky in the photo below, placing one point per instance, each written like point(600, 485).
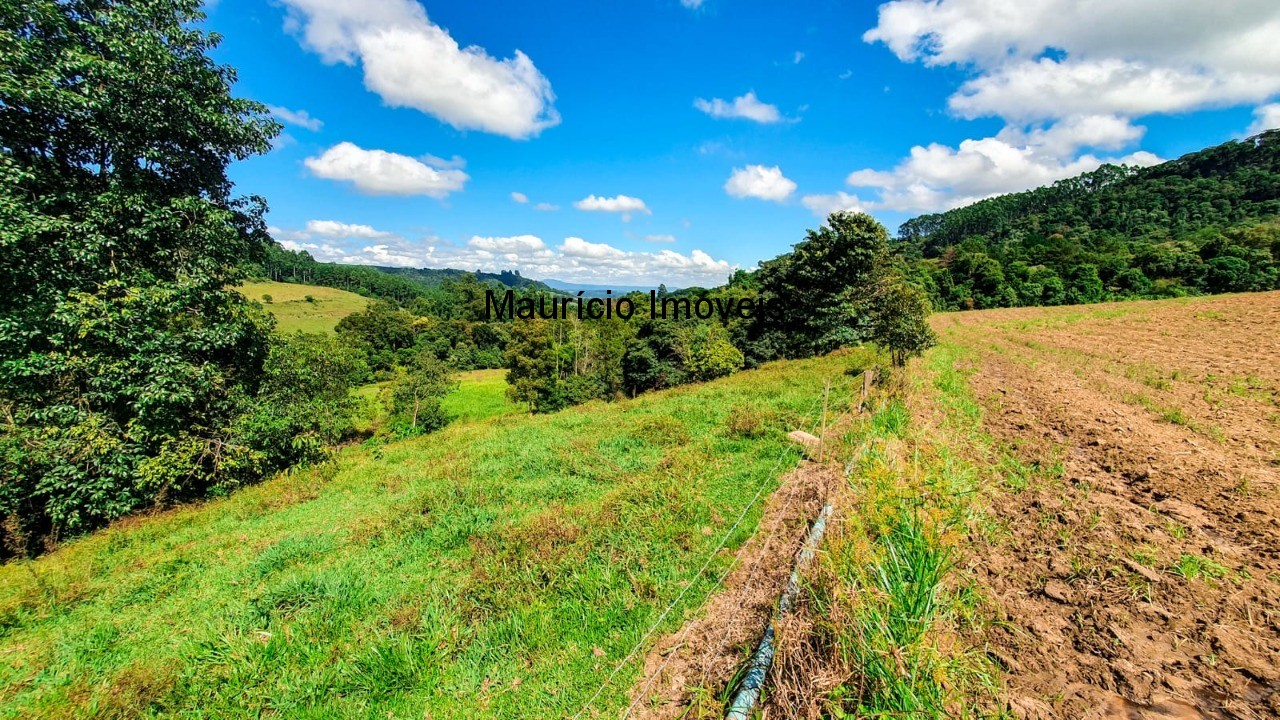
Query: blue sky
point(673, 140)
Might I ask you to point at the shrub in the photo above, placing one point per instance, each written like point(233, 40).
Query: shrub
point(899, 321)
point(416, 395)
point(708, 354)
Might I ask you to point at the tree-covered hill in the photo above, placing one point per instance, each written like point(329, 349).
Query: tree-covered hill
point(1204, 223)
point(402, 285)
point(435, 277)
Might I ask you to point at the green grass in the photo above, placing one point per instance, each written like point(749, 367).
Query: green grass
point(481, 394)
point(294, 313)
point(499, 568)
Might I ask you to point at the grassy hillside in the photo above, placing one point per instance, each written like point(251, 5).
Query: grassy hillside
point(502, 567)
point(292, 310)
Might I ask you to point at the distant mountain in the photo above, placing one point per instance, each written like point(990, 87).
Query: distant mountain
point(433, 277)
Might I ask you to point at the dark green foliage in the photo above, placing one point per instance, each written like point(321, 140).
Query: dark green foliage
point(708, 353)
point(1205, 223)
point(304, 404)
point(130, 371)
point(533, 367)
point(813, 289)
point(384, 332)
point(899, 321)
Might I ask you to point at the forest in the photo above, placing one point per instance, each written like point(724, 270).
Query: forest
point(1202, 224)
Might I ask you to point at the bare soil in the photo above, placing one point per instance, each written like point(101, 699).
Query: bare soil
point(1143, 582)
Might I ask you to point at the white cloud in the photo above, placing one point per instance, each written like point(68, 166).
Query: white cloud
point(758, 181)
point(411, 62)
point(508, 245)
point(621, 204)
point(1129, 57)
point(453, 163)
point(659, 238)
point(378, 172)
point(520, 197)
point(1043, 89)
point(798, 57)
point(301, 118)
point(747, 107)
point(590, 252)
point(824, 205)
point(940, 177)
point(546, 207)
point(1266, 117)
point(574, 260)
point(333, 228)
point(692, 4)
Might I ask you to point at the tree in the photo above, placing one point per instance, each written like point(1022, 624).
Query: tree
point(122, 342)
point(533, 366)
point(303, 406)
point(708, 354)
point(416, 394)
point(899, 321)
point(384, 331)
point(811, 291)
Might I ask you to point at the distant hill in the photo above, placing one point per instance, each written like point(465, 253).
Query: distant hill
point(434, 277)
point(1207, 222)
point(1216, 187)
point(401, 285)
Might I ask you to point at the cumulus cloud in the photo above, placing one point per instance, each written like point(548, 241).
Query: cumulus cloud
point(576, 247)
point(623, 204)
point(758, 181)
point(574, 260)
point(824, 205)
point(747, 107)
point(378, 172)
point(1045, 59)
point(939, 177)
point(411, 62)
point(333, 228)
point(659, 238)
point(519, 197)
point(546, 207)
point(1045, 88)
point(300, 118)
point(1266, 117)
point(508, 245)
